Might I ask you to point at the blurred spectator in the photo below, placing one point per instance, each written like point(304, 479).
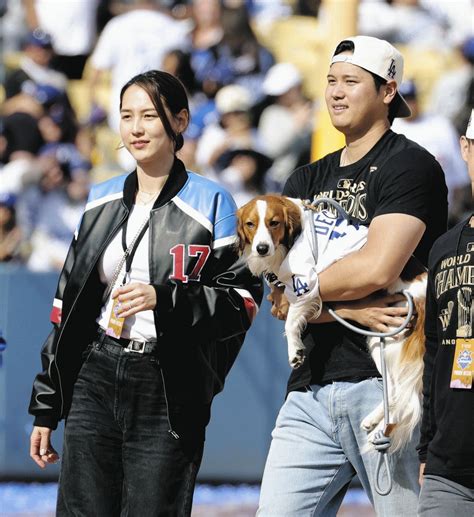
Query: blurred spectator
point(235, 58)
point(19, 143)
point(453, 94)
point(10, 234)
point(21, 133)
point(207, 31)
point(204, 41)
point(59, 130)
point(131, 43)
point(285, 127)
point(243, 172)
point(178, 63)
point(52, 178)
point(264, 13)
point(458, 13)
point(406, 22)
point(234, 129)
point(34, 66)
point(49, 213)
point(436, 134)
point(12, 28)
point(72, 26)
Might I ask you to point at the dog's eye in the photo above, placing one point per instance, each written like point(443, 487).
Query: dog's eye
point(274, 224)
point(249, 224)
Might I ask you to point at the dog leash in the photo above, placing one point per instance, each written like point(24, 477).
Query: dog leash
point(382, 440)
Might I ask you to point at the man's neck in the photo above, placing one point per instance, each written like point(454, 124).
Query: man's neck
point(358, 145)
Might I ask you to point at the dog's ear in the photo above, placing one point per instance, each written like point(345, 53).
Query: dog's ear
point(292, 222)
point(241, 239)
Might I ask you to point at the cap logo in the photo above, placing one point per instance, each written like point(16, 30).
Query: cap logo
point(392, 69)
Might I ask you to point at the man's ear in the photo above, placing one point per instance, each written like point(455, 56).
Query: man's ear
point(390, 91)
point(464, 145)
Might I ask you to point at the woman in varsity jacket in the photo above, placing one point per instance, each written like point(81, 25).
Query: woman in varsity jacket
point(151, 310)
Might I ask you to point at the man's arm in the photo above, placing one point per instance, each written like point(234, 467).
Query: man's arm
point(30, 14)
point(391, 240)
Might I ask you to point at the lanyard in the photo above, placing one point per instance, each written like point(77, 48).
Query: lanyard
point(128, 255)
point(129, 252)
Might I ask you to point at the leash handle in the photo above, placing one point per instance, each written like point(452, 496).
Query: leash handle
point(383, 459)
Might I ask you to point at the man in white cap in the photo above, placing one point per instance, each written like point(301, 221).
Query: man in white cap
point(397, 189)
point(446, 448)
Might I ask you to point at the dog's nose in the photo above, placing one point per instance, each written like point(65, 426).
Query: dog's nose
point(262, 249)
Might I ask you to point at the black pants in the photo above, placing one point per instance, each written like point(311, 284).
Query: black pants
point(118, 456)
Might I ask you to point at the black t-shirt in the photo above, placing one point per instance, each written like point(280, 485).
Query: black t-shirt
point(447, 429)
point(395, 176)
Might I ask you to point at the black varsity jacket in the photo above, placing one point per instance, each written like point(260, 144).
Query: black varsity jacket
point(206, 296)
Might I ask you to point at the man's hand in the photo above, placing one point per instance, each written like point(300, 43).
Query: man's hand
point(41, 450)
point(422, 472)
point(279, 302)
point(375, 312)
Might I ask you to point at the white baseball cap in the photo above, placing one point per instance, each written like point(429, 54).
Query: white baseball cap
point(379, 57)
point(281, 78)
point(233, 98)
point(470, 127)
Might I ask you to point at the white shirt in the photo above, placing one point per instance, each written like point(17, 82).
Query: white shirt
point(133, 43)
point(140, 326)
point(71, 24)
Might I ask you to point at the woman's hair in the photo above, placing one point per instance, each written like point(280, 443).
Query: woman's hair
point(164, 90)
point(348, 45)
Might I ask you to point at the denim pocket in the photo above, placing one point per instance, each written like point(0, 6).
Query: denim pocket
point(87, 353)
point(378, 382)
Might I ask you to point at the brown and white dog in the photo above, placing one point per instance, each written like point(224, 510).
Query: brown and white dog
point(268, 226)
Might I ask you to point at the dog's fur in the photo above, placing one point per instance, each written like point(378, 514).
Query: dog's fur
point(267, 228)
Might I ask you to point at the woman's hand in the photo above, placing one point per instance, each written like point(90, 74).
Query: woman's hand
point(41, 450)
point(135, 297)
point(376, 313)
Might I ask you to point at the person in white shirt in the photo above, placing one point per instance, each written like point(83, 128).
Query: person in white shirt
point(72, 25)
point(133, 43)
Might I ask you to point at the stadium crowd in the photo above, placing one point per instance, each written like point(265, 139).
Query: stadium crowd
point(253, 105)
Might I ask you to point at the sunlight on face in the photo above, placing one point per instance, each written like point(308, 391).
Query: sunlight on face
point(141, 128)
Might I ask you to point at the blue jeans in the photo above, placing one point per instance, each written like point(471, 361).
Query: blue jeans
point(316, 451)
point(118, 456)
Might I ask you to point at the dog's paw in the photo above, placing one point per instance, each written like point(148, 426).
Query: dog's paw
point(368, 423)
point(297, 359)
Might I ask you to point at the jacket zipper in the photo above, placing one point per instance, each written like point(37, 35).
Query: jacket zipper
point(111, 236)
point(171, 431)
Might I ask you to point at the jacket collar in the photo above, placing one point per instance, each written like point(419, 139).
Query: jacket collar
point(175, 182)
